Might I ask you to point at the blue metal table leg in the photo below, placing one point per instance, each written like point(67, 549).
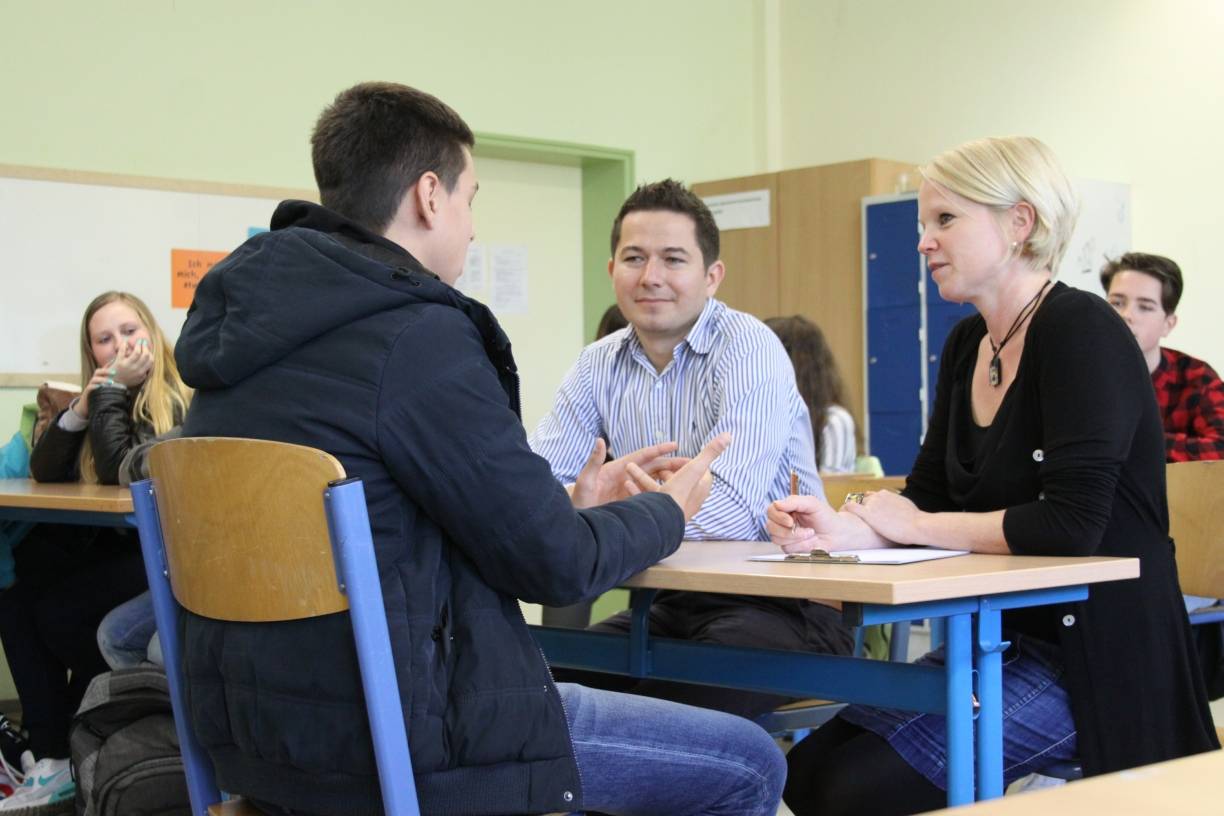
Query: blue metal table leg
point(639, 631)
point(959, 670)
point(988, 659)
point(937, 633)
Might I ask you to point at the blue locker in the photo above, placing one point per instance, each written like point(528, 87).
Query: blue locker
point(907, 324)
point(894, 320)
point(942, 315)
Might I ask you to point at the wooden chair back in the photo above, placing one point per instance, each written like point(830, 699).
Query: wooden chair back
point(246, 537)
point(1196, 523)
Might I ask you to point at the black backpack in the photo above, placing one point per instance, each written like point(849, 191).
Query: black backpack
point(125, 752)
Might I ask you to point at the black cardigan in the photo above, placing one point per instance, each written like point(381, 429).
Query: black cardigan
point(1075, 455)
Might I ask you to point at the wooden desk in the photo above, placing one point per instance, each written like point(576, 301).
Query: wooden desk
point(722, 566)
point(969, 591)
point(65, 503)
point(1190, 785)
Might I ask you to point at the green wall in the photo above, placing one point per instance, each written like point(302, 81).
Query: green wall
point(1129, 91)
point(228, 91)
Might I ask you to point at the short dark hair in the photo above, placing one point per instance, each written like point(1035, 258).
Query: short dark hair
point(673, 196)
point(1159, 267)
point(375, 141)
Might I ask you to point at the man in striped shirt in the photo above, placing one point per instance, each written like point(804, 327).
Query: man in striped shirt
point(686, 369)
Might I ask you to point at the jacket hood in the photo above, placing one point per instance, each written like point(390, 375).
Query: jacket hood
point(315, 271)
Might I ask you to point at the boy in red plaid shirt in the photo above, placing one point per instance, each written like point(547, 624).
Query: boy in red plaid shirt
point(1145, 290)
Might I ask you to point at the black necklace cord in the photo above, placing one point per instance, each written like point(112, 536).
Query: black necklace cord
point(996, 365)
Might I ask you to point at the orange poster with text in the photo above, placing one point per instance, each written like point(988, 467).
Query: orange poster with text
point(187, 266)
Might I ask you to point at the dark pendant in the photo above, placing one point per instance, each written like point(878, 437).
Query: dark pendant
point(996, 372)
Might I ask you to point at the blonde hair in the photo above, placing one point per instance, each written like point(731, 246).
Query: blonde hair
point(1002, 172)
point(162, 398)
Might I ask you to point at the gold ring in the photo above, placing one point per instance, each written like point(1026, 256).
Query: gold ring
point(855, 497)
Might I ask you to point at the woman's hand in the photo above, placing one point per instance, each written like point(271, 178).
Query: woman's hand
point(600, 481)
point(890, 514)
point(799, 524)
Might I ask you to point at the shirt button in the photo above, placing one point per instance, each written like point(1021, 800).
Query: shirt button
point(659, 436)
point(567, 796)
point(1038, 455)
point(1068, 620)
point(1041, 496)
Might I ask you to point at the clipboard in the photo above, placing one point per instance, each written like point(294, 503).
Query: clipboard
point(884, 555)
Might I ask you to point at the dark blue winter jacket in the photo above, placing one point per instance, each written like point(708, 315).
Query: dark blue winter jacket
point(320, 333)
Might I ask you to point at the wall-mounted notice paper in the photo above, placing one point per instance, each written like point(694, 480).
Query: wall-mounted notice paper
point(473, 277)
point(745, 210)
point(508, 264)
point(187, 266)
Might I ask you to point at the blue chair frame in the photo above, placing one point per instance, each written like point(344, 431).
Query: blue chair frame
point(353, 551)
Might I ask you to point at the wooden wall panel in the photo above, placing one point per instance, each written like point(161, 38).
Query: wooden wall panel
point(809, 260)
point(821, 254)
point(750, 255)
point(821, 261)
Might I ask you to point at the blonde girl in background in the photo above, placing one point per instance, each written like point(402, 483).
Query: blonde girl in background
point(70, 576)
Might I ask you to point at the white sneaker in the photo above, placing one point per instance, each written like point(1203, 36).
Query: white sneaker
point(47, 781)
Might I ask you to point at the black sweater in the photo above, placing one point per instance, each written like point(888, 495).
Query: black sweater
point(1075, 455)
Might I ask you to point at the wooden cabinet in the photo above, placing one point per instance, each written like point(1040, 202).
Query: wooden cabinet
point(809, 260)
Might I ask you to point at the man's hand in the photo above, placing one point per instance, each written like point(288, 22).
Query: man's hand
point(600, 482)
point(690, 485)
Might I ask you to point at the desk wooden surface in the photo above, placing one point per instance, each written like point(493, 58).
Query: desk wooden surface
point(723, 566)
point(1191, 785)
point(65, 496)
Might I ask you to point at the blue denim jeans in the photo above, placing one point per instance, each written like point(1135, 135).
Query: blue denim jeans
point(127, 636)
point(639, 756)
point(1037, 726)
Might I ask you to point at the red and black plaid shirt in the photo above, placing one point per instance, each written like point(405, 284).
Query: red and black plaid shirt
point(1191, 399)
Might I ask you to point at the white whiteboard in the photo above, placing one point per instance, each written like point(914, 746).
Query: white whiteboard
point(70, 236)
point(1102, 231)
point(64, 242)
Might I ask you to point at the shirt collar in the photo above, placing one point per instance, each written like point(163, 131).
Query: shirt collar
point(1165, 365)
point(700, 338)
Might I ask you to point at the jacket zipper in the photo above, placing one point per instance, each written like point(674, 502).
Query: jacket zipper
point(553, 686)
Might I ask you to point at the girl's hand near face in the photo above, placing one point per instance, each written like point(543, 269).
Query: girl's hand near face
point(80, 406)
point(133, 364)
point(129, 368)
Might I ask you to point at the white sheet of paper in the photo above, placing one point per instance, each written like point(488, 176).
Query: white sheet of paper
point(508, 268)
point(884, 555)
point(473, 277)
point(746, 210)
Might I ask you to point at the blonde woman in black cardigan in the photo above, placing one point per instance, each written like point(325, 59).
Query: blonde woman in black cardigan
point(1044, 439)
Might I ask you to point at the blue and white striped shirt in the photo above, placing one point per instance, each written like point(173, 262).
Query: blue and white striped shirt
point(730, 374)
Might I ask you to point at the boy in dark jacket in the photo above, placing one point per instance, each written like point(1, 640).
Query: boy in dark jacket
point(340, 329)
